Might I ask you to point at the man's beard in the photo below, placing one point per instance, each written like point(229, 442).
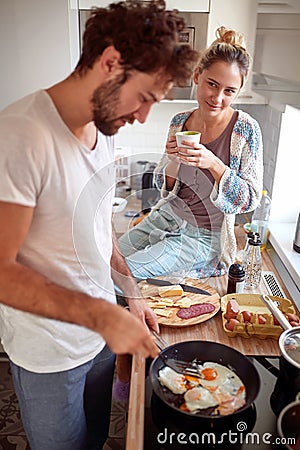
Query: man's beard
point(105, 102)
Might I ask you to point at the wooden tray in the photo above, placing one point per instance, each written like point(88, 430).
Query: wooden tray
point(149, 290)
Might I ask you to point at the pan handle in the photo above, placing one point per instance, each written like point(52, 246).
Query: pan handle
point(276, 312)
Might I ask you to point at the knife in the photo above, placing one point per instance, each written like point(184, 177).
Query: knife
point(185, 287)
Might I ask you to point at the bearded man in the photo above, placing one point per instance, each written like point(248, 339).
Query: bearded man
point(59, 321)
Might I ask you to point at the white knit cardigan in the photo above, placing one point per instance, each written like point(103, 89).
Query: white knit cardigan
point(240, 187)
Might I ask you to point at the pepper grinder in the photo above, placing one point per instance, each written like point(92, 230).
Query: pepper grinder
point(236, 279)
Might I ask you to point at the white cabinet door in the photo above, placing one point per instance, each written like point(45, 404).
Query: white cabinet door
point(279, 7)
point(189, 5)
point(88, 4)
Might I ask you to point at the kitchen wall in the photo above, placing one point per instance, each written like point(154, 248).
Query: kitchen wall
point(34, 46)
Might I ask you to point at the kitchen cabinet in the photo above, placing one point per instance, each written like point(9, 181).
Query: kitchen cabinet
point(88, 4)
point(277, 57)
point(189, 5)
point(279, 7)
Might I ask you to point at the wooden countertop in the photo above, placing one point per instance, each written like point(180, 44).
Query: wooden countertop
point(203, 331)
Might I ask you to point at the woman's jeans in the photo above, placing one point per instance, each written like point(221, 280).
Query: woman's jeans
point(163, 243)
point(67, 410)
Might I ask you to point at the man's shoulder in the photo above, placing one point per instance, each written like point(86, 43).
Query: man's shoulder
point(23, 113)
point(23, 104)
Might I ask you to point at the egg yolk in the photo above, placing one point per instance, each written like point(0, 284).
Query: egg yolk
point(192, 379)
point(209, 374)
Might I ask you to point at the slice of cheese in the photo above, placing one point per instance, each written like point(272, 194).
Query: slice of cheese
point(154, 305)
point(183, 302)
point(163, 312)
point(170, 291)
point(166, 301)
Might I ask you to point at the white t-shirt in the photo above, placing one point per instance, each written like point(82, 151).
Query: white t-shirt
point(44, 166)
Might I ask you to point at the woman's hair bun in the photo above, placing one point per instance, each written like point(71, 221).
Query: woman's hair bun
point(229, 36)
point(228, 47)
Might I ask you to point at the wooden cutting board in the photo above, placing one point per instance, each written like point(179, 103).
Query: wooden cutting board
point(150, 292)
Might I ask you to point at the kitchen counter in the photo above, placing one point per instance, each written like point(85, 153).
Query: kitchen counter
point(252, 346)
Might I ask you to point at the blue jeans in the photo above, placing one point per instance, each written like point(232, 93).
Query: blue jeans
point(163, 243)
point(67, 410)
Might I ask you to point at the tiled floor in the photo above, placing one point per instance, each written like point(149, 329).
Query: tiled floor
point(12, 436)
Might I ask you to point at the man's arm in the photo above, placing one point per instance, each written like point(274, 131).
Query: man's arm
point(123, 278)
point(25, 289)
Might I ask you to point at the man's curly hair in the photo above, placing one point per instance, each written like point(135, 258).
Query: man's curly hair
point(145, 34)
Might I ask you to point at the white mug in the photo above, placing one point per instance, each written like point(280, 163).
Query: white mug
point(189, 136)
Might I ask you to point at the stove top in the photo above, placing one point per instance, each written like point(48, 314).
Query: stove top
point(253, 428)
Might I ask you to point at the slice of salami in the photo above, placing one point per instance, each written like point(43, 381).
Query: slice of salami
point(195, 310)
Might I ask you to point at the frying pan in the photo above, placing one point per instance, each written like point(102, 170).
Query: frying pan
point(206, 351)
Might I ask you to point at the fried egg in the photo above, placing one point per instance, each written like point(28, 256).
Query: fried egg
point(231, 387)
point(199, 398)
point(214, 376)
point(172, 380)
point(218, 387)
point(229, 404)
